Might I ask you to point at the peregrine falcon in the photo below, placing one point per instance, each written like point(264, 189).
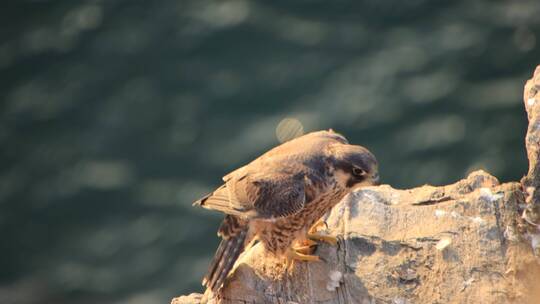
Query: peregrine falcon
point(280, 197)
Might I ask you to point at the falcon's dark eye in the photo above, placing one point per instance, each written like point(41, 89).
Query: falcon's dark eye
point(357, 172)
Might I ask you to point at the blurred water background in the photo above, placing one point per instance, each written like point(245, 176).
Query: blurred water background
point(116, 115)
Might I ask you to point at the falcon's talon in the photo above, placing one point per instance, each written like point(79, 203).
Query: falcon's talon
point(292, 255)
point(305, 249)
point(307, 242)
point(316, 227)
point(332, 240)
point(299, 254)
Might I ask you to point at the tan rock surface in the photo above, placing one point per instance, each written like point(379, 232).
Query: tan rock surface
point(461, 243)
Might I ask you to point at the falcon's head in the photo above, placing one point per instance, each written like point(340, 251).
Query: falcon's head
point(354, 166)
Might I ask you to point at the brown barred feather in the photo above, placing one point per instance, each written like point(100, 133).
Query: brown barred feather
point(234, 233)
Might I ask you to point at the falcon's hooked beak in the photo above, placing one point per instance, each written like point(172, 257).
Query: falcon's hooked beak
point(375, 178)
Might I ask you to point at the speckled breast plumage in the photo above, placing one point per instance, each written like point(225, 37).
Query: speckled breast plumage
point(279, 235)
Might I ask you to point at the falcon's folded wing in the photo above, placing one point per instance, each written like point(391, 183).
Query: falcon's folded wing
point(269, 196)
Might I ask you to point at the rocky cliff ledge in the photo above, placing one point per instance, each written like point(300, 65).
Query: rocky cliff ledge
point(470, 242)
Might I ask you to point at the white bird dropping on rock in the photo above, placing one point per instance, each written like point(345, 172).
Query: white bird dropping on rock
point(335, 280)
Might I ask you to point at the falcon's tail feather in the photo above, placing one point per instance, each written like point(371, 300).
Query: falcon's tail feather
point(218, 200)
point(234, 236)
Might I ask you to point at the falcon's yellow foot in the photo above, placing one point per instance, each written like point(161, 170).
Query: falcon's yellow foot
point(306, 242)
point(332, 240)
point(294, 255)
point(305, 247)
point(317, 226)
point(313, 233)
